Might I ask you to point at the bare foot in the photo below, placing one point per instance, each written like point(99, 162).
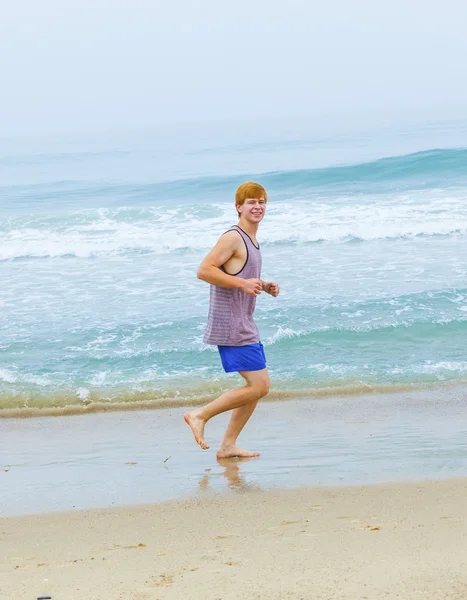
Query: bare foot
point(197, 427)
point(234, 452)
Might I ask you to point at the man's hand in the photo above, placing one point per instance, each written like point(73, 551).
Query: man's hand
point(271, 288)
point(252, 286)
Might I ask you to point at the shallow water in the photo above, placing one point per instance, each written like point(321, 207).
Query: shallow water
point(103, 460)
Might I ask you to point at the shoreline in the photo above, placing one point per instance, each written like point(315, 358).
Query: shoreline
point(132, 458)
point(399, 540)
point(275, 395)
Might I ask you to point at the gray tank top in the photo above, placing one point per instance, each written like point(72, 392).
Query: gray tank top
point(230, 318)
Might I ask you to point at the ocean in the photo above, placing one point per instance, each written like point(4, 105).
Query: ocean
point(100, 240)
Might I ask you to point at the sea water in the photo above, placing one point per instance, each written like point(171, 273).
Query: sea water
point(101, 237)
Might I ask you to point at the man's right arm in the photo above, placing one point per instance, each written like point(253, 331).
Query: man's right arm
point(210, 271)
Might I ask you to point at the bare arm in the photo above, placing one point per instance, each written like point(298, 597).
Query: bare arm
point(210, 271)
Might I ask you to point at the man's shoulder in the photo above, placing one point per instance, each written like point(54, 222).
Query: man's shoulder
point(231, 236)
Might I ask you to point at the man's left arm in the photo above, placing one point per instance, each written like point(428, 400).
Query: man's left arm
point(271, 288)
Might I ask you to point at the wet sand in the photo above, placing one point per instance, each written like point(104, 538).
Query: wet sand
point(116, 459)
point(406, 541)
point(164, 519)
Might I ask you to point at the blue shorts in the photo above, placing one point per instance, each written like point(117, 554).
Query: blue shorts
point(243, 358)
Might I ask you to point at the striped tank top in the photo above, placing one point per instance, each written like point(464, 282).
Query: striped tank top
point(230, 318)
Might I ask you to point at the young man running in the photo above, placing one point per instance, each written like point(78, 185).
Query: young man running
point(233, 268)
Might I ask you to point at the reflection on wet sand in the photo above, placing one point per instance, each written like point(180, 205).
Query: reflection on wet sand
point(232, 472)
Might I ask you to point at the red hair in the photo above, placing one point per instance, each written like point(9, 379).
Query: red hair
point(249, 189)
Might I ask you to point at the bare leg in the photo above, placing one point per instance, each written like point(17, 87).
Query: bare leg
point(257, 386)
point(238, 420)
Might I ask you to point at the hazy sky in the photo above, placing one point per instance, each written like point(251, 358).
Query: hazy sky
point(66, 65)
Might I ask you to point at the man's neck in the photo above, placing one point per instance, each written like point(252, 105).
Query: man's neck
point(250, 228)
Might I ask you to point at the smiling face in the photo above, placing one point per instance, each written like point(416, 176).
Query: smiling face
point(250, 201)
point(252, 210)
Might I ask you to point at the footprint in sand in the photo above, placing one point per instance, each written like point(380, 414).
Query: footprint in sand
point(162, 580)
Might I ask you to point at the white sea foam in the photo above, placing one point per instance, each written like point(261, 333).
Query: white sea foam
point(103, 232)
point(8, 376)
point(336, 369)
point(280, 334)
point(436, 367)
point(99, 378)
point(83, 393)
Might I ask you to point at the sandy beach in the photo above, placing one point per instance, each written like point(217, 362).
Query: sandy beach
point(406, 541)
point(125, 506)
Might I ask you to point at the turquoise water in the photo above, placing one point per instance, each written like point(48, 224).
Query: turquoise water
point(100, 242)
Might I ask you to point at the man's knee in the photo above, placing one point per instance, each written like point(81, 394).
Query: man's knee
point(262, 388)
